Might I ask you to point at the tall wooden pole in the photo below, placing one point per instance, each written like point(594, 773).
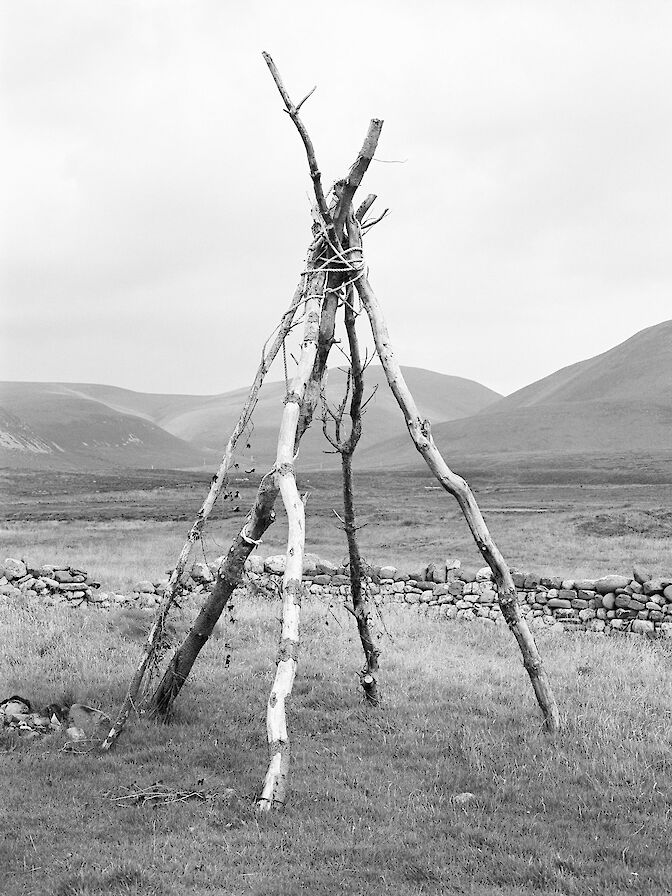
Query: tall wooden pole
point(420, 432)
point(275, 783)
point(362, 606)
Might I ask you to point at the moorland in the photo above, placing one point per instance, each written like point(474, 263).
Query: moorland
point(375, 804)
point(377, 799)
point(128, 526)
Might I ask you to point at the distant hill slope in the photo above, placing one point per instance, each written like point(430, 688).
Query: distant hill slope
point(637, 371)
point(88, 426)
point(209, 422)
point(54, 426)
point(618, 402)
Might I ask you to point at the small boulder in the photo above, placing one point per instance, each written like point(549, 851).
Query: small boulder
point(275, 564)
point(609, 601)
point(14, 569)
point(14, 710)
point(325, 568)
point(436, 572)
point(640, 574)
point(584, 584)
point(74, 734)
point(200, 572)
point(254, 564)
point(655, 586)
point(388, 572)
point(92, 721)
point(462, 799)
point(310, 562)
point(611, 583)
point(144, 588)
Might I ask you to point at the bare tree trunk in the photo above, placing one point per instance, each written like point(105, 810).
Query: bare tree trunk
point(275, 783)
point(419, 430)
point(361, 609)
point(361, 601)
point(229, 577)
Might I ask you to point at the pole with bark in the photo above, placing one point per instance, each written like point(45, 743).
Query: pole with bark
point(229, 577)
point(362, 607)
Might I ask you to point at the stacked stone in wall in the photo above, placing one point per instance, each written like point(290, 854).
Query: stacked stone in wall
point(55, 584)
point(639, 603)
point(76, 588)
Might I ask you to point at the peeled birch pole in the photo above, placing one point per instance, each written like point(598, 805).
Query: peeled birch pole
point(275, 784)
point(230, 573)
point(420, 432)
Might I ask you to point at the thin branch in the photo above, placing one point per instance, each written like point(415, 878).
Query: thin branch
point(363, 407)
point(367, 225)
point(368, 359)
point(328, 436)
point(343, 352)
point(293, 111)
point(306, 97)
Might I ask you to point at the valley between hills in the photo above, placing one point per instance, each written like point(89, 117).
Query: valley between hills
point(608, 418)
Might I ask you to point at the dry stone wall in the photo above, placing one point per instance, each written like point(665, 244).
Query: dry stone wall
point(639, 603)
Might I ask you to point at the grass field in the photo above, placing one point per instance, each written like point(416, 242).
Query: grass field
point(372, 805)
point(131, 527)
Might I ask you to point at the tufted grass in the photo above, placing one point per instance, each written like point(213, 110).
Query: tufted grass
point(371, 807)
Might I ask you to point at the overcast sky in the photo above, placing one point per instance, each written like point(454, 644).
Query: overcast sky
point(155, 210)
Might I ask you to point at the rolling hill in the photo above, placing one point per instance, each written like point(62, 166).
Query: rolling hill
point(618, 403)
point(611, 410)
point(442, 397)
point(57, 426)
point(88, 426)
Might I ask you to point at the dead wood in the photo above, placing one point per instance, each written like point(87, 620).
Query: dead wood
point(229, 577)
point(313, 284)
point(156, 631)
point(275, 783)
point(420, 432)
point(362, 608)
point(230, 574)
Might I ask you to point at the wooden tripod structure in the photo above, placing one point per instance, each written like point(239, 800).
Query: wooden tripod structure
point(335, 264)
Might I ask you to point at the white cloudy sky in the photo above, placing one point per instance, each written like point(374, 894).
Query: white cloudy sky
point(155, 197)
